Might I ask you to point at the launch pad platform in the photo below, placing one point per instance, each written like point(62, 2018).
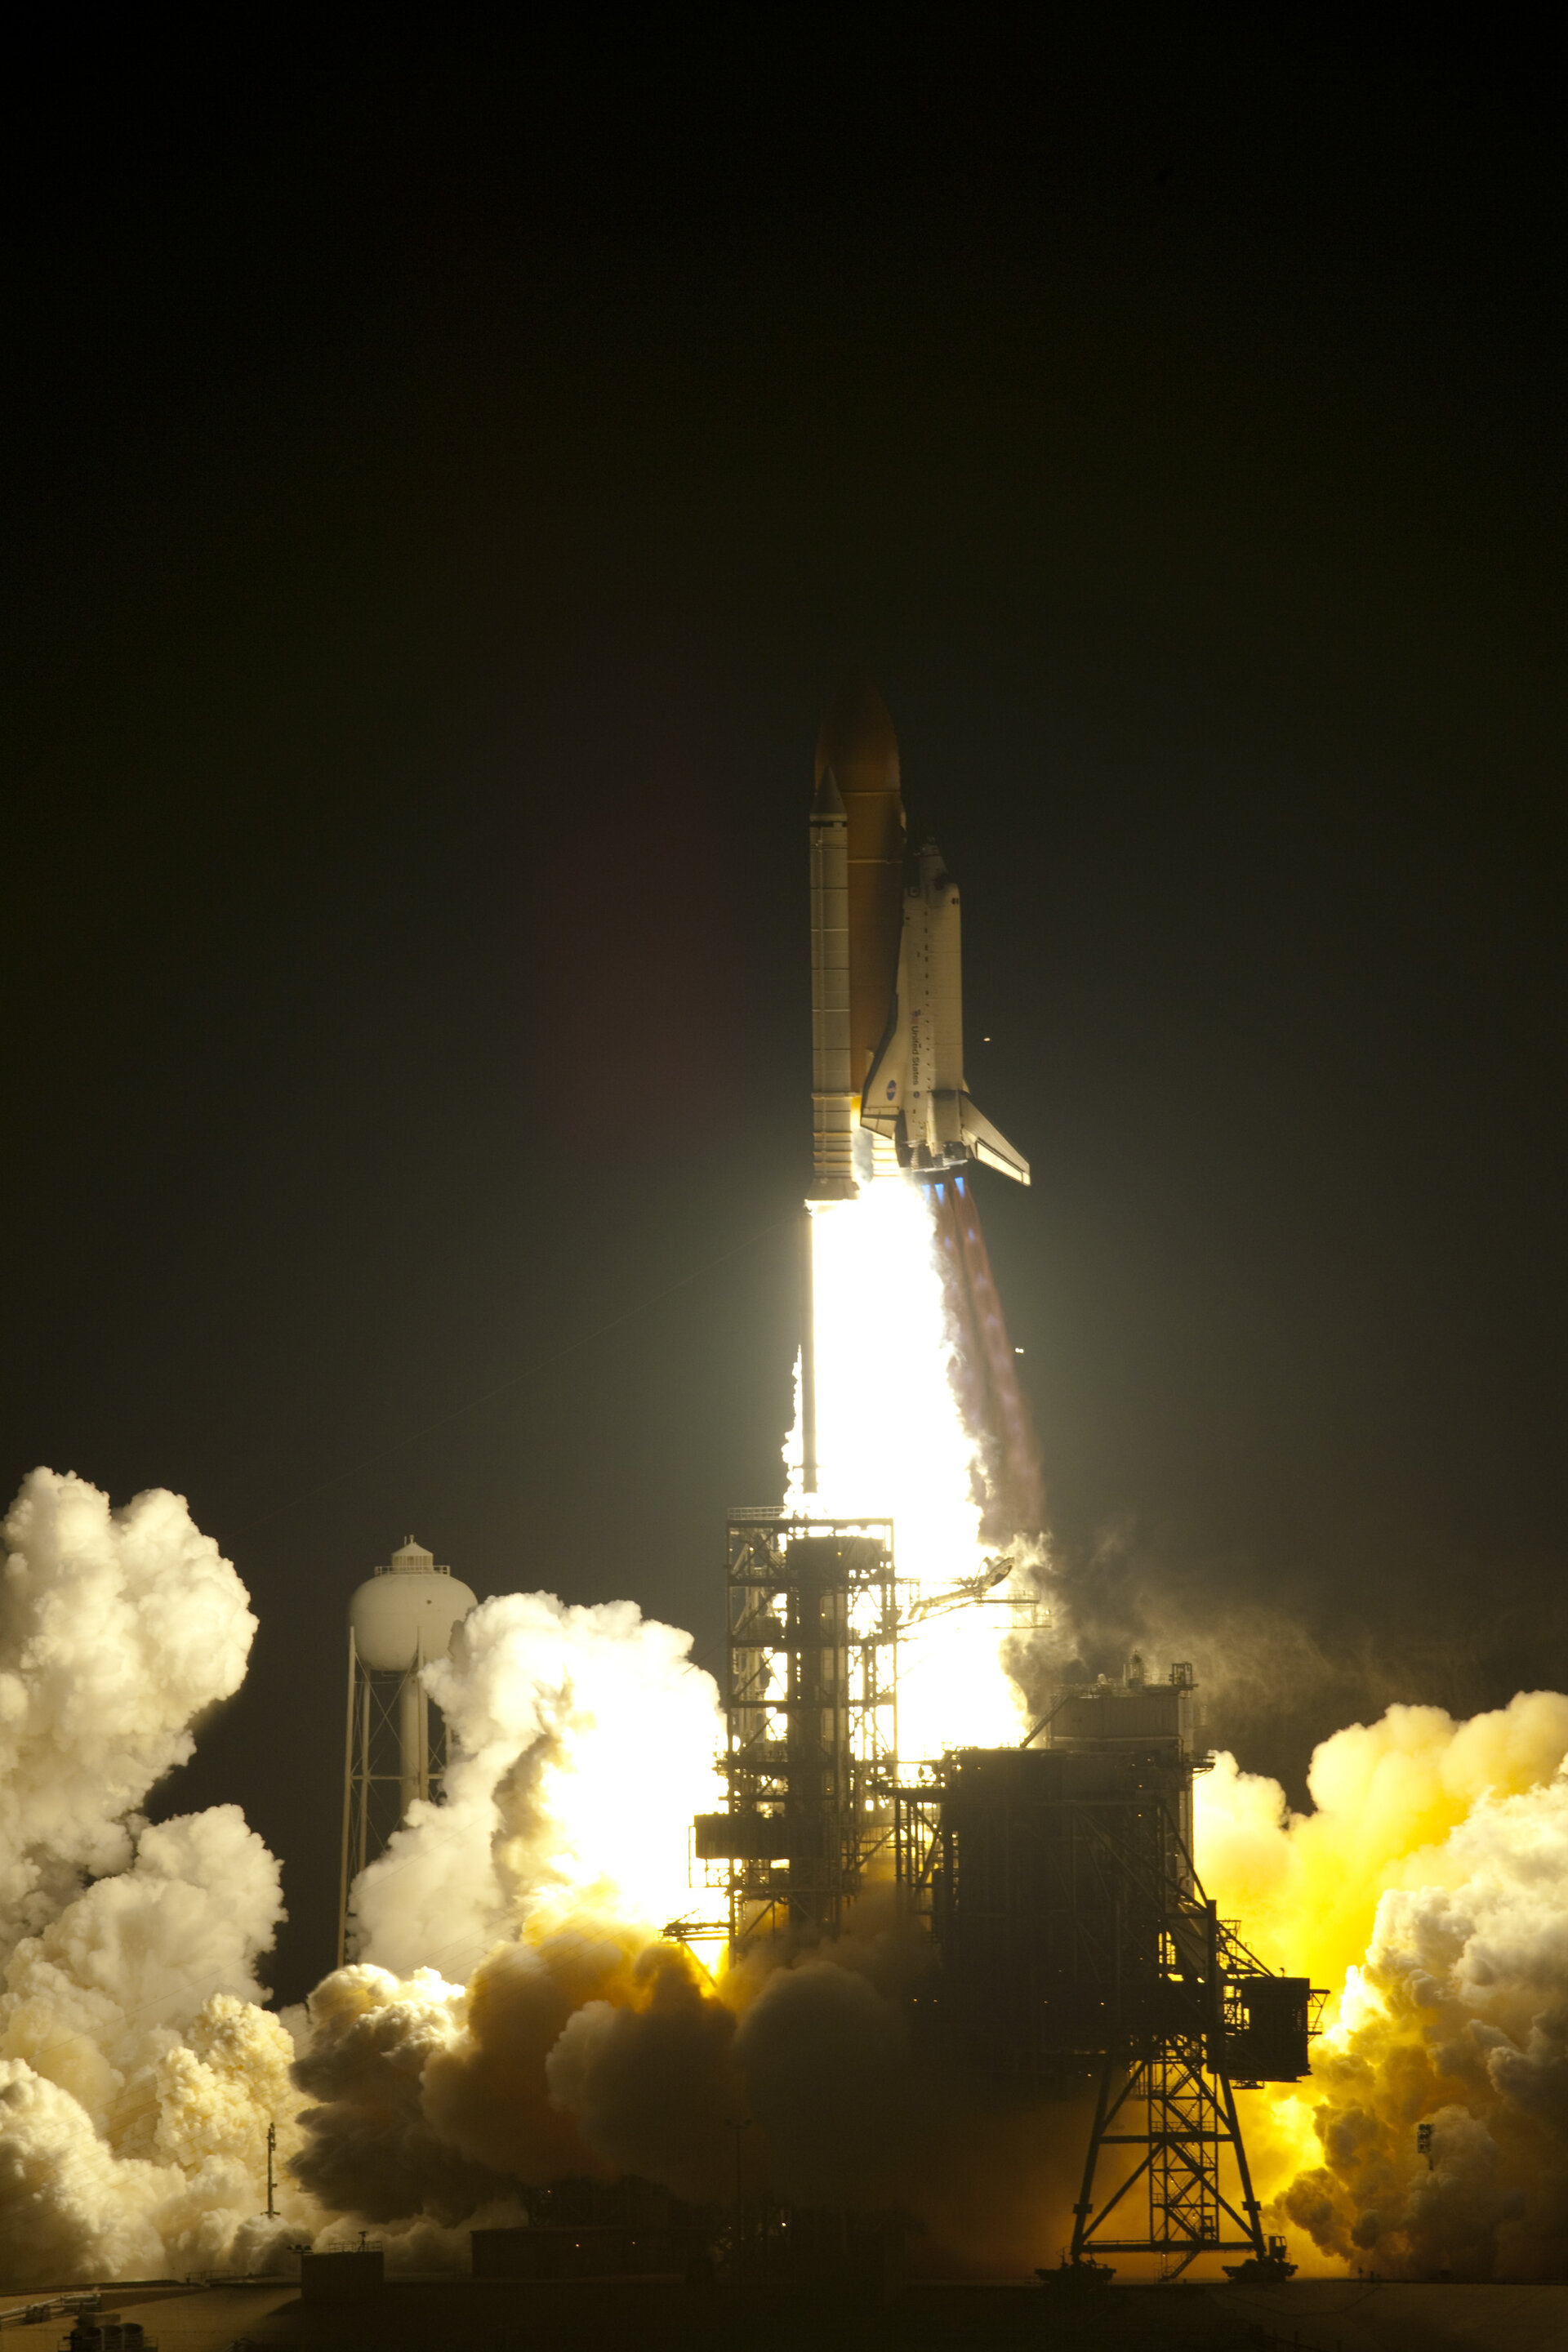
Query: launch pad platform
point(457, 2315)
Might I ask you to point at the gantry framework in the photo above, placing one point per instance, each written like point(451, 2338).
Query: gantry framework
point(811, 1730)
point(1077, 1948)
point(1077, 1943)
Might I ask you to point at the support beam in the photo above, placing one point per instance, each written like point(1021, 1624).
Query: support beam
point(1188, 2119)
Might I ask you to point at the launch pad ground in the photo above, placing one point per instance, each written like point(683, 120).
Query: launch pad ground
point(659, 2316)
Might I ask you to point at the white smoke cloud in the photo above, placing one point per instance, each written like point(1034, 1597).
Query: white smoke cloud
point(1428, 1891)
point(138, 2075)
point(138, 2072)
point(94, 2000)
point(117, 1628)
point(581, 1742)
point(1457, 2019)
point(1386, 1798)
point(69, 2207)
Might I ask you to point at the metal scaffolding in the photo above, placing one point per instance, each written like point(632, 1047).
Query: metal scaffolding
point(811, 1741)
point(1077, 1946)
point(1079, 1957)
point(1180, 2116)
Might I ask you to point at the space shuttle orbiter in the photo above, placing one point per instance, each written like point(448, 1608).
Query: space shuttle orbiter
point(886, 981)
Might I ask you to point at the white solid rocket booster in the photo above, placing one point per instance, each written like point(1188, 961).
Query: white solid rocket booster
point(832, 1087)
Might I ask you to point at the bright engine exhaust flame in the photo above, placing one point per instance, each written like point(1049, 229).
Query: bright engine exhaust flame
point(891, 1442)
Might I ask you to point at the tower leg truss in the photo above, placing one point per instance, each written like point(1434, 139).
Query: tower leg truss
point(1188, 2118)
point(1077, 1944)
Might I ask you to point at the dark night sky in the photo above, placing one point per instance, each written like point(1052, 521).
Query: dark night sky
point(445, 488)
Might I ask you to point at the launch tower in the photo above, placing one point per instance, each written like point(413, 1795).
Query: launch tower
point(811, 1730)
point(1077, 1947)
point(1077, 1956)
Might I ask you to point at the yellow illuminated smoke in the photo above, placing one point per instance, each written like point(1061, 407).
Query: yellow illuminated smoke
point(891, 1443)
point(1424, 1892)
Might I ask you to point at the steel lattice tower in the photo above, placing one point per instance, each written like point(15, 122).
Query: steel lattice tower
point(1077, 1946)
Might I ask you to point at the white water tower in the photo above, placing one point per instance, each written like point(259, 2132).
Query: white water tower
point(399, 1619)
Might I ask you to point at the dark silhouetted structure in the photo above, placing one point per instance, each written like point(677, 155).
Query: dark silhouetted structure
point(1076, 1946)
point(812, 1738)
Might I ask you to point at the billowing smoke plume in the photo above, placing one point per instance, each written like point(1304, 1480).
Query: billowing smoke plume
point(1282, 1657)
point(138, 2073)
point(436, 2098)
point(586, 2052)
point(514, 2015)
point(1428, 1891)
point(116, 1629)
point(581, 1743)
point(578, 2045)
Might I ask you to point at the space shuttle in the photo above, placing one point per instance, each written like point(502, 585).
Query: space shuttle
point(887, 980)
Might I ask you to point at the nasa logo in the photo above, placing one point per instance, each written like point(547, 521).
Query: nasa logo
point(892, 1089)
